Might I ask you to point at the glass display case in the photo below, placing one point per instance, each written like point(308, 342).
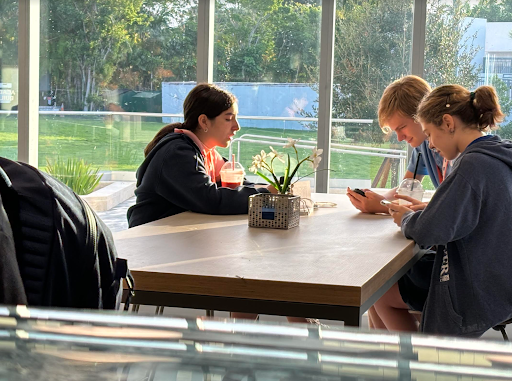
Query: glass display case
point(44, 344)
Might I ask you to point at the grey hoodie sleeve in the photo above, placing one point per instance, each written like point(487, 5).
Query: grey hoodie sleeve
point(452, 214)
point(183, 181)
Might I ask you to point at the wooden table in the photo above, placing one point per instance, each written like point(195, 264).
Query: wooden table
point(335, 265)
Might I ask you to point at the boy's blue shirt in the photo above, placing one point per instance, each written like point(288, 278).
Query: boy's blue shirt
point(430, 161)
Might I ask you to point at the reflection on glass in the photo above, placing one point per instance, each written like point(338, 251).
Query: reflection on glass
point(55, 345)
point(240, 327)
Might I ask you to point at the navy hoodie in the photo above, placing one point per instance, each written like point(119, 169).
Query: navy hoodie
point(469, 218)
point(172, 179)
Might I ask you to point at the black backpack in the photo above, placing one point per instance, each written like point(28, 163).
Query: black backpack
point(65, 253)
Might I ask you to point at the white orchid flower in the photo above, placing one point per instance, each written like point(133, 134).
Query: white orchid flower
point(263, 155)
point(276, 154)
point(257, 160)
point(316, 161)
point(316, 152)
point(253, 169)
point(291, 143)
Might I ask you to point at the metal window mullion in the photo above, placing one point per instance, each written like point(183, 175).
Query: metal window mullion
point(205, 33)
point(28, 81)
point(325, 92)
point(419, 23)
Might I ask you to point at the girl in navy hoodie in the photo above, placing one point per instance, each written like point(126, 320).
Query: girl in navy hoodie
point(468, 219)
point(181, 169)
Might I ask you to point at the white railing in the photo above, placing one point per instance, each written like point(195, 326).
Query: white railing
point(170, 115)
point(401, 155)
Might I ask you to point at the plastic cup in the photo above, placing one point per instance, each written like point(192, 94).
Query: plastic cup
point(232, 175)
point(411, 188)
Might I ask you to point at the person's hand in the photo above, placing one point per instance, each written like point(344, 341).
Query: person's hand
point(416, 204)
point(271, 189)
point(397, 212)
point(368, 204)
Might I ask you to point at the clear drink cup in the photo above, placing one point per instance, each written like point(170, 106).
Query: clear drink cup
point(232, 175)
point(411, 188)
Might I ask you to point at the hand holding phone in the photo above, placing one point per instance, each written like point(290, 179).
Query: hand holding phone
point(359, 191)
point(386, 203)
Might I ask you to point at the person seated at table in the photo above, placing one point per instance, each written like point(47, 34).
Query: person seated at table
point(181, 167)
point(468, 217)
point(397, 108)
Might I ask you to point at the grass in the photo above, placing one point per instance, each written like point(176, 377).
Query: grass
point(119, 146)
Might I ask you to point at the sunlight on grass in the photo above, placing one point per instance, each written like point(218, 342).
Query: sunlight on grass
point(119, 144)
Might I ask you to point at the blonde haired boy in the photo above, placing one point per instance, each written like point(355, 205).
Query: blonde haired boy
point(397, 108)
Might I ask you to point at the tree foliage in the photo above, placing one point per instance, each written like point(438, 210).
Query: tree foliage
point(8, 33)
point(88, 39)
point(449, 51)
point(373, 44)
point(493, 10)
point(89, 46)
point(269, 41)
point(94, 45)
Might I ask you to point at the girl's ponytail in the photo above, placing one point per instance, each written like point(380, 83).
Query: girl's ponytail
point(160, 134)
point(487, 108)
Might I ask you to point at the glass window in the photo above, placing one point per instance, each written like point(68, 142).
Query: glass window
point(490, 29)
point(9, 79)
point(104, 69)
point(372, 48)
point(267, 54)
point(477, 51)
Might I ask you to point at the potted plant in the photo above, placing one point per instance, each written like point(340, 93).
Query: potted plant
point(282, 210)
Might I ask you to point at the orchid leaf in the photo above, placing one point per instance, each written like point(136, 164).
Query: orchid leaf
point(275, 184)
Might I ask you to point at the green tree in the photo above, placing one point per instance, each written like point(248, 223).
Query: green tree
point(271, 40)
point(166, 49)
point(88, 40)
point(244, 43)
point(449, 50)
point(297, 42)
point(493, 10)
point(8, 33)
point(372, 48)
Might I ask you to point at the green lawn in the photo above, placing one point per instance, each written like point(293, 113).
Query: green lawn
point(120, 146)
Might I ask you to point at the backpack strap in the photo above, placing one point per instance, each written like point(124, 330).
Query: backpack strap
point(121, 270)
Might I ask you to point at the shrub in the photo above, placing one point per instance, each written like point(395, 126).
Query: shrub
point(75, 173)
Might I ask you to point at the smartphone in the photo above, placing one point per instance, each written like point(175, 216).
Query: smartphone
point(385, 202)
point(359, 191)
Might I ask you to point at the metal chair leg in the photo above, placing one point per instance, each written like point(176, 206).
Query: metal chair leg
point(504, 333)
point(159, 310)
